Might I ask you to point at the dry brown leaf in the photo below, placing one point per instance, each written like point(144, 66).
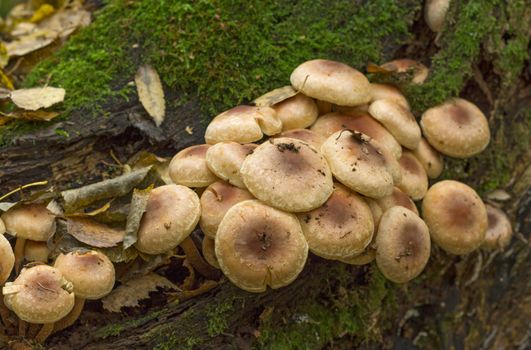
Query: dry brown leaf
point(94, 233)
point(37, 98)
point(66, 22)
point(31, 42)
point(275, 96)
point(150, 93)
point(33, 115)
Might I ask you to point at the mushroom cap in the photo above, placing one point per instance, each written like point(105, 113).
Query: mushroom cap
point(259, 246)
point(376, 211)
point(172, 212)
point(7, 259)
point(398, 120)
point(312, 138)
point(499, 230)
point(414, 179)
point(364, 123)
point(226, 158)
point(189, 167)
point(2, 227)
point(456, 216)
point(324, 107)
point(343, 226)
point(297, 112)
point(358, 163)
point(36, 251)
point(397, 198)
point(209, 252)
point(243, 124)
point(430, 159)
point(30, 221)
point(360, 109)
point(435, 14)
point(364, 258)
point(331, 81)
point(216, 200)
point(402, 245)
point(456, 128)
point(388, 92)
point(404, 65)
point(288, 174)
point(91, 273)
point(40, 294)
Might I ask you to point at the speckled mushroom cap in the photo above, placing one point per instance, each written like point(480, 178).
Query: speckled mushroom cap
point(209, 253)
point(397, 198)
point(297, 112)
point(414, 179)
point(456, 216)
point(398, 120)
point(288, 174)
point(331, 81)
point(225, 159)
point(402, 245)
point(313, 139)
point(430, 159)
point(388, 92)
point(259, 246)
point(343, 226)
point(435, 13)
point(30, 221)
point(40, 294)
point(499, 230)
point(358, 163)
point(364, 123)
point(189, 167)
point(36, 251)
point(456, 128)
point(404, 65)
point(172, 212)
point(243, 124)
point(7, 259)
point(91, 273)
point(216, 200)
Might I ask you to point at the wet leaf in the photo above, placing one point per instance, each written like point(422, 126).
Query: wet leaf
point(150, 93)
point(37, 98)
point(136, 211)
point(93, 233)
point(275, 96)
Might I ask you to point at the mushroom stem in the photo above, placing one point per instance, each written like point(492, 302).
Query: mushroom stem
point(197, 261)
point(22, 325)
point(19, 253)
point(44, 333)
point(72, 317)
point(4, 313)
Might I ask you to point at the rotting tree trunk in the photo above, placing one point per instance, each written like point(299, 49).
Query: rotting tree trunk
point(477, 301)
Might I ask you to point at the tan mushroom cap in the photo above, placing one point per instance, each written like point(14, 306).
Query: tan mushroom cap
point(209, 252)
point(499, 230)
point(404, 65)
point(456, 128)
point(225, 160)
point(430, 159)
point(259, 246)
point(30, 221)
point(331, 81)
point(288, 174)
point(243, 124)
point(2, 227)
point(324, 107)
point(456, 216)
point(7, 259)
point(398, 120)
point(397, 198)
point(36, 251)
point(216, 200)
point(388, 92)
point(402, 245)
point(40, 294)
point(189, 167)
point(376, 211)
point(360, 109)
point(364, 123)
point(414, 179)
point(312, 138)
point(172, 212)
point(435, 13)
point(343, 226)
point(358, 163)
point(366, 257)
point(297, 112)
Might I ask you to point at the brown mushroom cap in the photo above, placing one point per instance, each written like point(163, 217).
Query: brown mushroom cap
point(499, 230)
point(343, 226)
point(398, 120)
point(353, 110)
point(30, 221)
point(324, 107)
point(216, 200)
point(456, 128)
point(376, 211)
point(288, 174)
point(313, 139)
point(388, 92)
point(40, 294)
point(225, 159)
point(209, 252)
point(7, 259)
point(36, 251)
point(297, 112)
point(402, 245)
point(331, 81)
point(257, 246)
point(404, 65)
point(397, 198)
point(172, 212)
point(189, 167)
point(2, 227)
point(414, 179)
point(430, 159)
point(456, 216)
point(364, 258)
point(435, 14)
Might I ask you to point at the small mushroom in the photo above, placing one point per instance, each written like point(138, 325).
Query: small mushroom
point(499, 230)
point(323, 107)
point(313, 139)
point(414, 179)
point(430, 159)
point(209, 252)
point(297, 112)
point(388, 92)
point(226, 158)
point(397, 198)
point(366, 257)
point(7, 259)
point(376, 211)
point(36, 251)
point(435, 13)
point(189, 167)
point(406, 65)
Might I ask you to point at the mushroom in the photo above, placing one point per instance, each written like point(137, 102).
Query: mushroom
point(499, 230)
point(36, 251)
point(2, 227)
point(397, 198)
point(402, 245)
point(259, 246)
point(209, 252)
point(456, 128)
point(297, 112)
point(406, 65)
point(288, 174)
point(226, 158)
point(7, 261)
point(312, 138)
point(414, 179)
point(331, 81)
point(456, 216)
point(189, 167)
point(388, 92)
point(366, 257)
point(430, 159)
point(435, 14)
point(323, 107)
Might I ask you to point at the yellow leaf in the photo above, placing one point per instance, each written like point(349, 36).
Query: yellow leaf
point(150, 93)
point(37, 98)
point(31, 115)
point(5, 81)
point(4, 57)
point(45, 10)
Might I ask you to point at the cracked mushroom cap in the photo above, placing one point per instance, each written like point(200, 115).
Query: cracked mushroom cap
point(331, 81)
point(414, 179)
point(431, 160)
point(243, 124)
point(388, 92)
point(456, 216)
point(297, 112)
point(259, 246)
point(402, 245)
point(172, 212)
point(435, 14)
point(91, 273)
point(36, 251)
point(225, 159)
point(499, 230)
point(30, 221)
point(40, 294)
point(397, 198)
point(288, 174)
point(216, 200)
point(7, 259)
point(343, 226)
point(189, 167)
point(404, 65)
point(313, 139)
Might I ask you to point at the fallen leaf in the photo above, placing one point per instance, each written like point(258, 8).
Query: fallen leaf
point(66, 22)
point(5, 81)
point(37, 98)
point(136, 211)
point(144, 264)
point(150, 93)
point(33, 115)
point(93, 233)
point(189, 130)
point(4, 57)
point(31, 42)
point(45, 10)
point(275, 96)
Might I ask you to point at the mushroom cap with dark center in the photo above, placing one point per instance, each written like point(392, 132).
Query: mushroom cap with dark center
point(312, 138)
point(414, 179)
point(402, 245)
point(225, 159)
point(430, 159)
point(499, 230)
point(259, 246)
point(331, 81)
point(30, 221)
point(388, 92)
point(456, 216)
point(189, 167)
point(404, 65)
point(7, 259)
point(288, 174)
point(397, 198)
point(456, 128)
point(297, 112)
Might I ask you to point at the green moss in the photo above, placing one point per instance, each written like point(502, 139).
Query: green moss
point(116, 329)
point(217, 318)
